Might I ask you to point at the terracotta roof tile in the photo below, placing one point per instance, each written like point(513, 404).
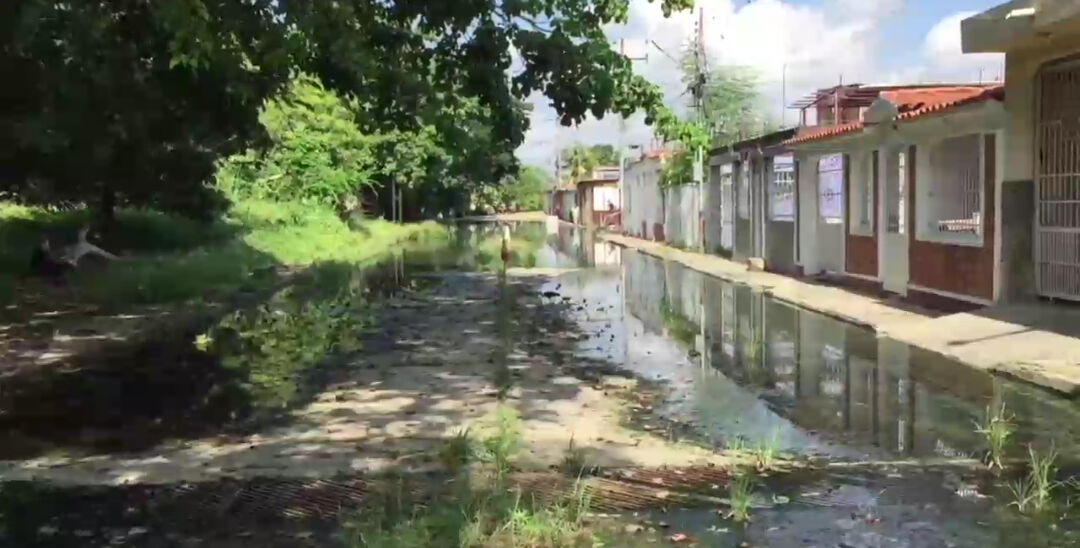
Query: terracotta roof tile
point(911, 103)
point(817, 133)
point(974, 95)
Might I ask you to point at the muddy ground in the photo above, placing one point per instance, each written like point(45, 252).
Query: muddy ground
point(436, 360)
point(440, 355)
point(159, 446)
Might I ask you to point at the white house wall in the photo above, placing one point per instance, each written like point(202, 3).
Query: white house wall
point(642, 200)
point(681, 224)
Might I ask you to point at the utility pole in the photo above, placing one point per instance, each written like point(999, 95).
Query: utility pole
point(701, 75)
point(622, 121)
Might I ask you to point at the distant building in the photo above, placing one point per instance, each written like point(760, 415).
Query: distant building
point(643, 199)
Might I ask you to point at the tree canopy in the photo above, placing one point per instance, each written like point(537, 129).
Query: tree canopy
point(580, 160)
point(132, 101)
point(731, 106)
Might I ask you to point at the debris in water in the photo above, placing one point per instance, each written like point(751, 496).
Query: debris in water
point(678, 538)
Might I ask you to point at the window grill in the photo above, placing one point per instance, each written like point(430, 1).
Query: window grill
point(955, 194)
point(782, 189)
point(862, 195)
point(894, 198)
point(831, 188)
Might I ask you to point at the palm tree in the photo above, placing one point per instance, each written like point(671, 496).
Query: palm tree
point(581, 161)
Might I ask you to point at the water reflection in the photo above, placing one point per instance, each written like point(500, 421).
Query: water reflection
point(271, 351)
point(768, 369)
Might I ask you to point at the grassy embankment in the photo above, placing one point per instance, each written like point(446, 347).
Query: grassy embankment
point(168, 259)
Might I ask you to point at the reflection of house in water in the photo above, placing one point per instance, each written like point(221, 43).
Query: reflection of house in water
point(645, 288)
point(581, 247)
point(823, 375)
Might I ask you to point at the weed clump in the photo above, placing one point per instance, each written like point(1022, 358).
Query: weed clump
point(997, 428)
point(481, 511)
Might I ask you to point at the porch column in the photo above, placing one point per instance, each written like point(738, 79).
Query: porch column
point(808, 213)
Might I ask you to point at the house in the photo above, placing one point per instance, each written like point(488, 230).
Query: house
point(1039, 211)
point(598, 197)
point(563, 202)
point(902, 194)
point(642, 197)
point(750, 201)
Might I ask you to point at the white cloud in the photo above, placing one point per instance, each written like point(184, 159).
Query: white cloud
point(815, 45)
point(943, 57)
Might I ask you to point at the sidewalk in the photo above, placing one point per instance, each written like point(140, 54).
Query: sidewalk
point(1038, 343)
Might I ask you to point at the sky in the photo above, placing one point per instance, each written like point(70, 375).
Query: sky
point(815, 43)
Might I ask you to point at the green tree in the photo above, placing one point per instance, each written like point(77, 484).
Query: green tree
point(526, 191)
point(580, 160)
point(129, 101)
point(731, 98)
point(317, 152)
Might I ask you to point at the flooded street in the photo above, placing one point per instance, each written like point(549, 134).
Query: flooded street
point(644, 364)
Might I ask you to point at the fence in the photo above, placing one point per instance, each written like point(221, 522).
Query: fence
point(643, 207)
point(682, 225)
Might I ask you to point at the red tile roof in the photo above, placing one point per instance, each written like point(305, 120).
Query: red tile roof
point(911, 103)
point(973, 95)
point(817, 133)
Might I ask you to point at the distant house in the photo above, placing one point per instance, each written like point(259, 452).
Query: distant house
point(1038, 215)
point(562, 202)
point(750, 201)
point(598, 197)
point(643, 199)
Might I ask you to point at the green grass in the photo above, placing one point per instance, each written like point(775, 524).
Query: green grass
point(299, 234)
point(1034, 492)
point(170, 259)
point(500, 448)
point(740, 494)
point(765, 450)
point(137, 231)
point(459, 451)
point(479, 512)
point(997, 428)
point(678, 327)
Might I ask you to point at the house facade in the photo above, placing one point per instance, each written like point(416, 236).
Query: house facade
point(1039, 212)
point(642, 197)
point(751, 201)
point(563, 202)
point(598, 197)
point(905, 198)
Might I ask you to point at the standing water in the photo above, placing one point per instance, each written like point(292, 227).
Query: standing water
point(741, 370)
point(889, 432)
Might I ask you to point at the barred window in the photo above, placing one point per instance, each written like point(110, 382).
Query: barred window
point(950, 202)
point(782, 189)
point(861, 208)
point(831, 188)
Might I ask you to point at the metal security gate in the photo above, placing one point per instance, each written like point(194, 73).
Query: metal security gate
point(1057, 182)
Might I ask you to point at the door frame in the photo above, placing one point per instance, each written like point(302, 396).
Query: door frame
point(894, 246)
